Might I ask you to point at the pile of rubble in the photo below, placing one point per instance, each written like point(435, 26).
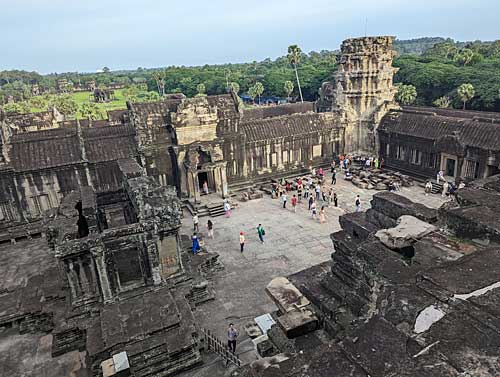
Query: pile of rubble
point(250, 194)
point(378, 179)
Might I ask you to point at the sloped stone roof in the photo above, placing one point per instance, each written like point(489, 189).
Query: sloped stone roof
point(288, 125)
point(473, 130)
point(280, 110)
point(62, 146)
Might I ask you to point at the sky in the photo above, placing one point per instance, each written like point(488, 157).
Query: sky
point(85, 35)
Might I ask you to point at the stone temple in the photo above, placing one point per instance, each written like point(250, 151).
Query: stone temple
point(108, 287)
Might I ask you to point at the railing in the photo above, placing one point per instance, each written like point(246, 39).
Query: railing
point(217, 346)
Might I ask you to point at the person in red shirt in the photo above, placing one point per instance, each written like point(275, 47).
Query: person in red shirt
point(294, 203)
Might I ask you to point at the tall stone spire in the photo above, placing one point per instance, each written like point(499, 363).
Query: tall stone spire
point(362, 90)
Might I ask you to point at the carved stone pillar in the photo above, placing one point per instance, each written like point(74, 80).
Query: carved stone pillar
point(83, 278)
point(102, 272)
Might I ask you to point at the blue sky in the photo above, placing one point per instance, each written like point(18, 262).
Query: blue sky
point(85, 35)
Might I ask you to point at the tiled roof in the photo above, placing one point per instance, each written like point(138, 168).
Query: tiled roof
point(43, 149)
point(288, 125)
point(474, 130)
point(109, 143)
point(280, 110)
point(62, 146)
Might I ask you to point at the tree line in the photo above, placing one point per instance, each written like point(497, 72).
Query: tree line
point(436, 74)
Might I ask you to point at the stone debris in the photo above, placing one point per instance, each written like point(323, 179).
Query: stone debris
point(408, 230)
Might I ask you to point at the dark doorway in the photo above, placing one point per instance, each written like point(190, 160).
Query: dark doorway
point(450, 167)
point(202, 178)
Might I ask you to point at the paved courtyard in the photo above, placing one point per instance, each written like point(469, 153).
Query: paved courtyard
point(293, 242)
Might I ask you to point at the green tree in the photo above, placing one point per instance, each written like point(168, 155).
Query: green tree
point(38, 103)
point(442, 102)
point(200, 89)
point(288, 88)
point(294, 56)
point(65, 104)
point(90, 111)
point(106, 70)
point(235, 87)
point(465, 93)
point(252, 92)
point(465, 56)
point(16, 108)
point(407, 94)
point(259, 89)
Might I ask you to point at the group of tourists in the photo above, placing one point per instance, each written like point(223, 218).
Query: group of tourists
point(447, 188)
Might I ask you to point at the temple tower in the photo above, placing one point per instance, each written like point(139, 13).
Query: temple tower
point(362, 90)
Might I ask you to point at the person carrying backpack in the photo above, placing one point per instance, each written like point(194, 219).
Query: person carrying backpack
point(261, 232)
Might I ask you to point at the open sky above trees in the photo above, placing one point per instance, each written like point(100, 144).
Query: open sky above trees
point(60, 36)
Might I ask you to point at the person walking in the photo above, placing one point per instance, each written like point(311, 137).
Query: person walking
point(242, 241)
point(311, 201)
point(376, 163)
point(227, 208)
point(440, 176)
point(446, 186)
point(332, 166)
point(261, 232)
point(205, 187)
point(323, 195)
point(335, 199)
point(313, 210)
point(334, 177)
point(294, 203)
point(318, 190)
point(196, 223)
point(307, 192)
point(283, 199)
point(210, 227)
point(322, 215)
point(330, 197)
point(299, 192)
point(232, 335)
point(196, 243)
point(358, 203)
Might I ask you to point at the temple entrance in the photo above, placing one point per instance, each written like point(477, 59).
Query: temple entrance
point(450, 167)
point(208, 177)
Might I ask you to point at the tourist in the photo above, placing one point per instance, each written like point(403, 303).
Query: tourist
point(310, 183)
point(335, 199)
point(368, 163)
point(227, 208)
point(382, 161)
point(313, 172)
point(391, 186)
point(334, 177)
point(313, 210)
point(461, 185)
point(195, 222)
point(322, 215)
point(210, 227)
point(299, 192)
point(261, 232)
point(330, 197)
point(232, 334)
point(318, 191)
point(332, 166)
point(358, 203)
point(196, 243)
point(375, 163)
point(311, 201)
point(242, 241)
point(320, 172)
point(323, 195)
point(446, 186)
point(288, 186)
point(205, 187)
point(428, 188)
point(440, 176)
point(294, 203)
point(283, 199)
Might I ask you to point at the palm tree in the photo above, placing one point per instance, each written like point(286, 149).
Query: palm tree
point(259, 89)
point(442, 102)
point(294, 54)
point(407, 94)
point(288, 88)
point(465, 92)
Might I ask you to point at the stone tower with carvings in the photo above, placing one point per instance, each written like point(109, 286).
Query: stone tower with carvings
point(362, 90)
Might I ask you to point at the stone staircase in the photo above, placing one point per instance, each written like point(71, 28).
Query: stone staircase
point(437, 188)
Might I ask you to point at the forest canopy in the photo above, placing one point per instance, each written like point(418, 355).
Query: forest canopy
point(436, 67)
